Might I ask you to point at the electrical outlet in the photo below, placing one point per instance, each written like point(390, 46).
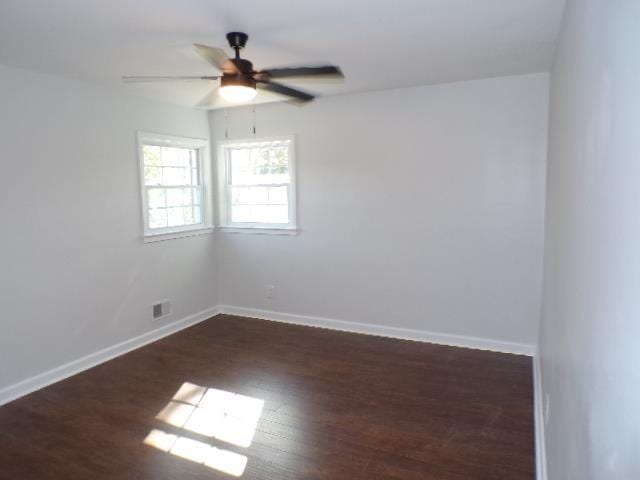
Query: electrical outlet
point(271, 292)
point(161, 309)
point(547, 406)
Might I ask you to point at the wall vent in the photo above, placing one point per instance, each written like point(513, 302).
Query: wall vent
point(161, 309)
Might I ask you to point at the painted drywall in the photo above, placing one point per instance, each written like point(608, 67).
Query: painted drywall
point(75, 276)
point(419, 208)
point(590, 328)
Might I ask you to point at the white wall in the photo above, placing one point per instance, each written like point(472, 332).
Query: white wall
point(74, 274)
point(420, 208)
point(591, 306)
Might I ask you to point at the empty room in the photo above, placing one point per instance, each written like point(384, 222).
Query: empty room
point(362, 240)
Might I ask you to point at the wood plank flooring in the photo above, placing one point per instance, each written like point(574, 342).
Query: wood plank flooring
point(336, 406)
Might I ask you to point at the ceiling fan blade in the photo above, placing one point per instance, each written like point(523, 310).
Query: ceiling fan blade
point(296, 95)
point(210, 100)
point(216, 57)
point(140, 79)
point(322, 71)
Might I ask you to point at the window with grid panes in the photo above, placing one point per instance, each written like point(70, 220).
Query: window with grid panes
point(257, 184)
point(173, 191)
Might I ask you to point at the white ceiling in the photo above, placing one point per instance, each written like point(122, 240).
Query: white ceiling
point(379, 44)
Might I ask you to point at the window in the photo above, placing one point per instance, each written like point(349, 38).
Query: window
point(257, 184)
point(174, 193)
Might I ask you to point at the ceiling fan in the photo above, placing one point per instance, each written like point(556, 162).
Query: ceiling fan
point(239, 80)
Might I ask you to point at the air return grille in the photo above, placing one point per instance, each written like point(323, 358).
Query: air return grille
point(161, 309)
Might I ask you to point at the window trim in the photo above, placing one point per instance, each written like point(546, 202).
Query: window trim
point(224, 190)
point(204, 160)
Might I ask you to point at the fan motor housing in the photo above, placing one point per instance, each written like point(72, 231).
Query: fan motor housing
point(245, 66)
point(229, 80)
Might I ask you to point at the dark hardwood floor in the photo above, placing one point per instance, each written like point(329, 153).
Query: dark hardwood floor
point(336, 406)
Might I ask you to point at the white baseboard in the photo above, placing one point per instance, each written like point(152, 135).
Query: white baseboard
point(538, 411)
point(37, 382)
point(384, 331)
point(57, 374)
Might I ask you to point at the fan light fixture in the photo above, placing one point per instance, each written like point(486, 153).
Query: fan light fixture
point(237, 88)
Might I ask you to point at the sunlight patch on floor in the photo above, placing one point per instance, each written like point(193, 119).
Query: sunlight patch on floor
point(226, 416)
point(210, 412)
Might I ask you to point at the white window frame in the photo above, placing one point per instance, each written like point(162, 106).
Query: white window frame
point(204, 163)
point(224, 190)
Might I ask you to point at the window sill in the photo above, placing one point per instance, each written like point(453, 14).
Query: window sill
point(161, 237)
point(261, 230)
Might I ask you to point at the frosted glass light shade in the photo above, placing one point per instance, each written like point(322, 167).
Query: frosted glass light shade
point(237, 93)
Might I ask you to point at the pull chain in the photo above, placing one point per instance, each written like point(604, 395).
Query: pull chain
point(253, 115)
point(226, 124)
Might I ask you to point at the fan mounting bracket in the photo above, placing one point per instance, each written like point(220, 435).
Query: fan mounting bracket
point(237, 40)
